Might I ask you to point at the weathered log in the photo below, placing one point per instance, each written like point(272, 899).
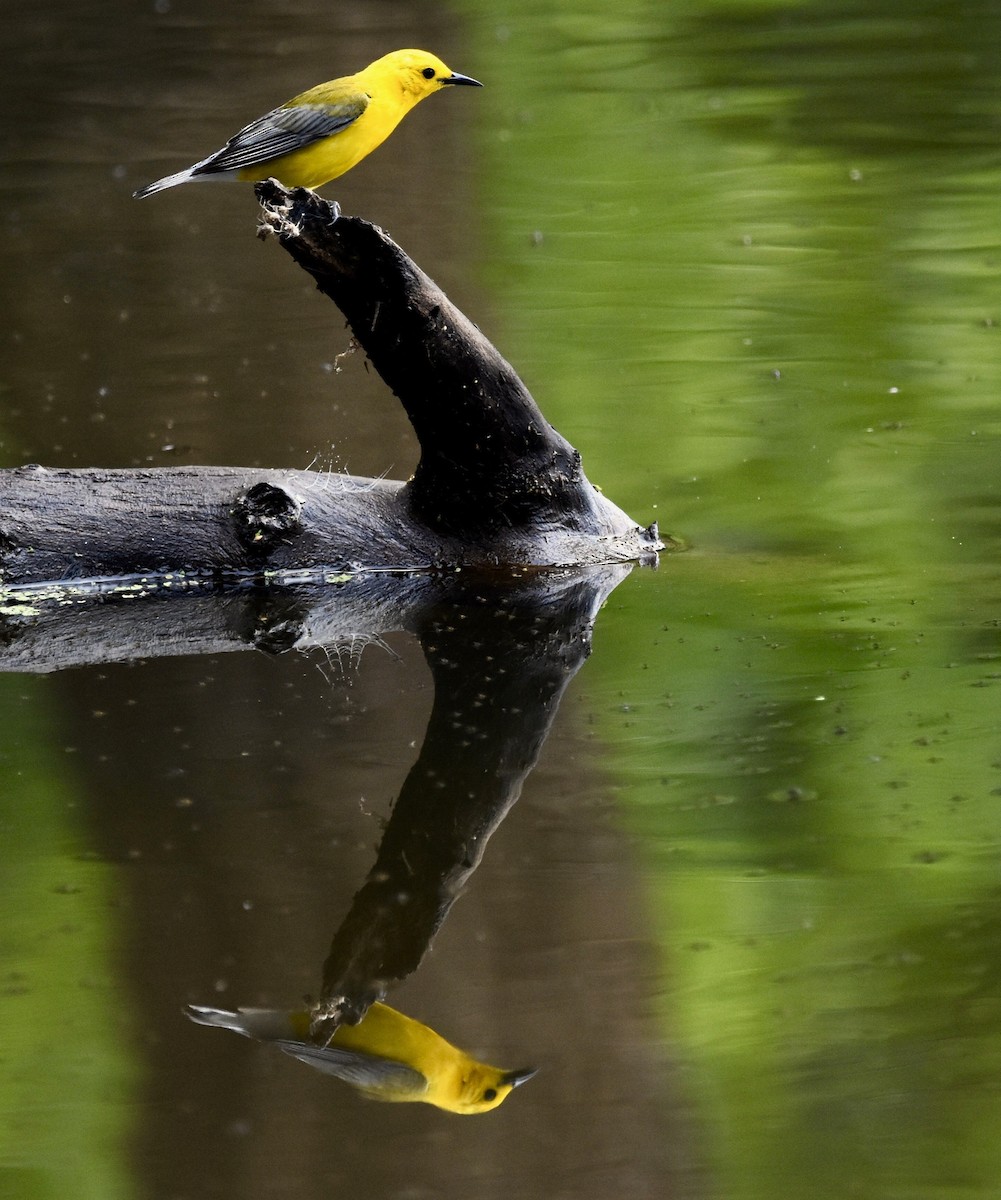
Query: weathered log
point(495, 482)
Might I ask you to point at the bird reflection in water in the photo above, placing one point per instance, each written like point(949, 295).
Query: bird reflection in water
point(386, 1056)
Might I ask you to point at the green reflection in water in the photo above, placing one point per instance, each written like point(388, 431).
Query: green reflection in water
point(819, 825)
point(750, 259)
point(64, 1073)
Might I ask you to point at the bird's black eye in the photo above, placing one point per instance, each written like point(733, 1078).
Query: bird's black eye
point(490, 1094)
point(428, 72)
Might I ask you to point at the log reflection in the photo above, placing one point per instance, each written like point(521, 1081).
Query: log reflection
point(500, 662)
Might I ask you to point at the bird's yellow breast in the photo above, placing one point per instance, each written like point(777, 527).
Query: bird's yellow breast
point(390, 1034)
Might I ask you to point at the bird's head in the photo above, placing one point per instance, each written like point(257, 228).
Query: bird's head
point(419, 73)
point(483, 1088)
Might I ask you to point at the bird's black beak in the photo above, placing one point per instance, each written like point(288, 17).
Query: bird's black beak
point(453, 78)
point(514, 1078)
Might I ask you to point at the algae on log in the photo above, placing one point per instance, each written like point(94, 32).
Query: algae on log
point(496, 484)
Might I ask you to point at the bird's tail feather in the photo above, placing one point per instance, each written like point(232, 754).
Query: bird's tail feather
point(167, 181)
point(197, 173)
point(267, 1024)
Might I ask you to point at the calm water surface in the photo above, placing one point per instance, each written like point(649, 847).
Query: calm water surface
point(746, 916)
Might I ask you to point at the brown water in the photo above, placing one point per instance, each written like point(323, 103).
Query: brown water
point(744, 917)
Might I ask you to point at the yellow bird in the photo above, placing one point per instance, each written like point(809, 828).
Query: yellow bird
point(320, 134)
point(386, 1056)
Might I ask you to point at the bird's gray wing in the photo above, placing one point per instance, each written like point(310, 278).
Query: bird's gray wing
point(281, 131)
point(363, 1070)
